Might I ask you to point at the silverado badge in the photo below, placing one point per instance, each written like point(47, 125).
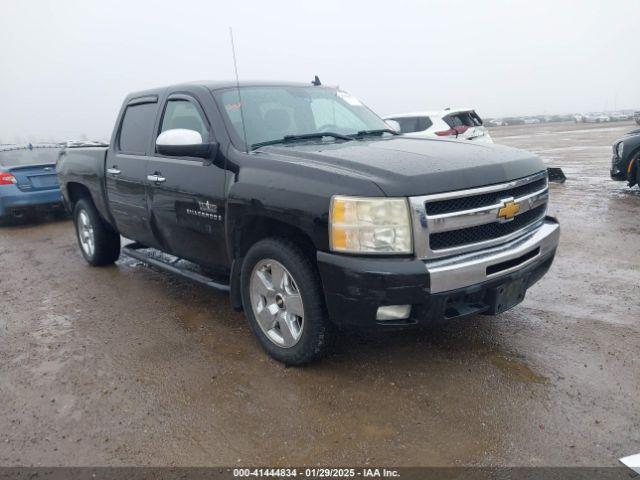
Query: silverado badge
point(508, 210)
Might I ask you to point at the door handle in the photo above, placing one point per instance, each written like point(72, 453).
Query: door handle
point(156, 178)
point(114, 170)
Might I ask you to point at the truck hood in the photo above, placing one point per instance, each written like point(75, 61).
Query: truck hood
point(404, 166)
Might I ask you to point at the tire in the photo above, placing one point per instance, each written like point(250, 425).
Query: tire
point(98, 242)
point(289, 318)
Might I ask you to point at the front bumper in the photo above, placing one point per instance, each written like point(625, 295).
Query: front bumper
point(489, 281)
point(14, 201)
point(618, 169)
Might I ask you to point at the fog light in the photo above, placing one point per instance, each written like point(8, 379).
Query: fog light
point(393, 312)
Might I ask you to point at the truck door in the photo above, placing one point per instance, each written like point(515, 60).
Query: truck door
point(126, 170)
point(186, 194)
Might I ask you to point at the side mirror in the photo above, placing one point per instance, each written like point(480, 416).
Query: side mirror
point(393, 125)
point(181, 142)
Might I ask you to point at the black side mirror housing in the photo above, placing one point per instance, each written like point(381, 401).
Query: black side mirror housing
point(200, 150)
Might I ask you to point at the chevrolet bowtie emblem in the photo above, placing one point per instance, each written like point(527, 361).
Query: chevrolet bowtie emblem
point(508, 210)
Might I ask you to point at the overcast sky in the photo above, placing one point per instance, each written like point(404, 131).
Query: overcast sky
point(66, 66)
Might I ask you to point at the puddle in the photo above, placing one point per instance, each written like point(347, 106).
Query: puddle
point(193, 320)
point(515, 369)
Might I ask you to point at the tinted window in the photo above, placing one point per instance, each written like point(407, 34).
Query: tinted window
point(454, 121)
point(136, 129)
point(413, 124)
point(184, 114)
point(24, 156)
point(463, 119)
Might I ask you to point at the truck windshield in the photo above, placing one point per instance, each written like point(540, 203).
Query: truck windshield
point(273, 113)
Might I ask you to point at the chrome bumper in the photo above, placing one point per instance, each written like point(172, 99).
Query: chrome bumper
point(477, 267)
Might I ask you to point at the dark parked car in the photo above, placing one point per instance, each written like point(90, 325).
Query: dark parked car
point(626, 156)
point(28, 180)
point(300, 202)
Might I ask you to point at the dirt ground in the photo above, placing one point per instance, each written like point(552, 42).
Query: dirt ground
point(128, 365)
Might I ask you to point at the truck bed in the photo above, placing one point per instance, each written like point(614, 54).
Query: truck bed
point(83, 167)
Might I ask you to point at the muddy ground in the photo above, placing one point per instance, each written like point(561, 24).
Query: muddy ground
point(128, 365)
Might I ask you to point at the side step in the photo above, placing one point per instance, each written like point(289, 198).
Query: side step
point(172, 264)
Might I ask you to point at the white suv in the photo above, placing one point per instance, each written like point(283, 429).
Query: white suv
point(462, 123)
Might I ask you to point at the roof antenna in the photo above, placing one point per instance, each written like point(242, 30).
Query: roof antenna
point(235, 66)
point(316, 82)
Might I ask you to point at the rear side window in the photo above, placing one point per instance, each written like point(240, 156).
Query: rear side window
point(136, 128)
point(184, 114)
point(413, 124)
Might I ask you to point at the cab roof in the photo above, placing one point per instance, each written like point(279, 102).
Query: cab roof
point(223, 84)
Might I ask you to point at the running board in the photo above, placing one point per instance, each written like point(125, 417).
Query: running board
point(171, 264)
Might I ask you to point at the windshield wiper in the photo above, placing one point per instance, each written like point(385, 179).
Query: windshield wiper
point(303, 136)
point(378, 131)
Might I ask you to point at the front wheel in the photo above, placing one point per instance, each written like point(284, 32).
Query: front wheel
point(633, 173)
point(99, 243)
point(283, 301)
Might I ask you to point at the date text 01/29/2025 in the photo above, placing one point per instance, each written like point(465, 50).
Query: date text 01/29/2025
point(316, 472)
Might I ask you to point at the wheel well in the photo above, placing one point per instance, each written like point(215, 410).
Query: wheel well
point(254, 228)
point(77, 191)
point(250, 230)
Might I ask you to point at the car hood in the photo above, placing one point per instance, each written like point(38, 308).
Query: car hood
point(404, 166)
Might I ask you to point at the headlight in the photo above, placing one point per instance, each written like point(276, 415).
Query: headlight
point(619, 149)
point(370, 225)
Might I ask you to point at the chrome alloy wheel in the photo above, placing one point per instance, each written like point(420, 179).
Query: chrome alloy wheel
point(276, 303)
point(85, 233)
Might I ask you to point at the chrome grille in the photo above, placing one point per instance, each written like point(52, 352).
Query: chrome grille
point(481, 233)
point(484, 199)
point(466, 220)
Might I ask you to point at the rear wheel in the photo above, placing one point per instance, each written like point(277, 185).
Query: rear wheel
point(99, 243)
point(282, 298)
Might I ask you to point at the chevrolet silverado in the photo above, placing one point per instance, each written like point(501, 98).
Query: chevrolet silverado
point(301, 203)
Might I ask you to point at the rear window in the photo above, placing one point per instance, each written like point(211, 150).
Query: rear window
point(137, 128)
point(413, 124)
point(467, 119)
point(24, 156)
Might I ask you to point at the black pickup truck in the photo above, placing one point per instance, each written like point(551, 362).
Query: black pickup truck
point(299, 201)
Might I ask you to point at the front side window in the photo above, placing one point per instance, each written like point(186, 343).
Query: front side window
point(271, 113)
point(136, 128)
point(184, 114)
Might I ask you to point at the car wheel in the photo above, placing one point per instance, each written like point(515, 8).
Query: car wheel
point(633, 174)
point(283, 301)
point(99, 243)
